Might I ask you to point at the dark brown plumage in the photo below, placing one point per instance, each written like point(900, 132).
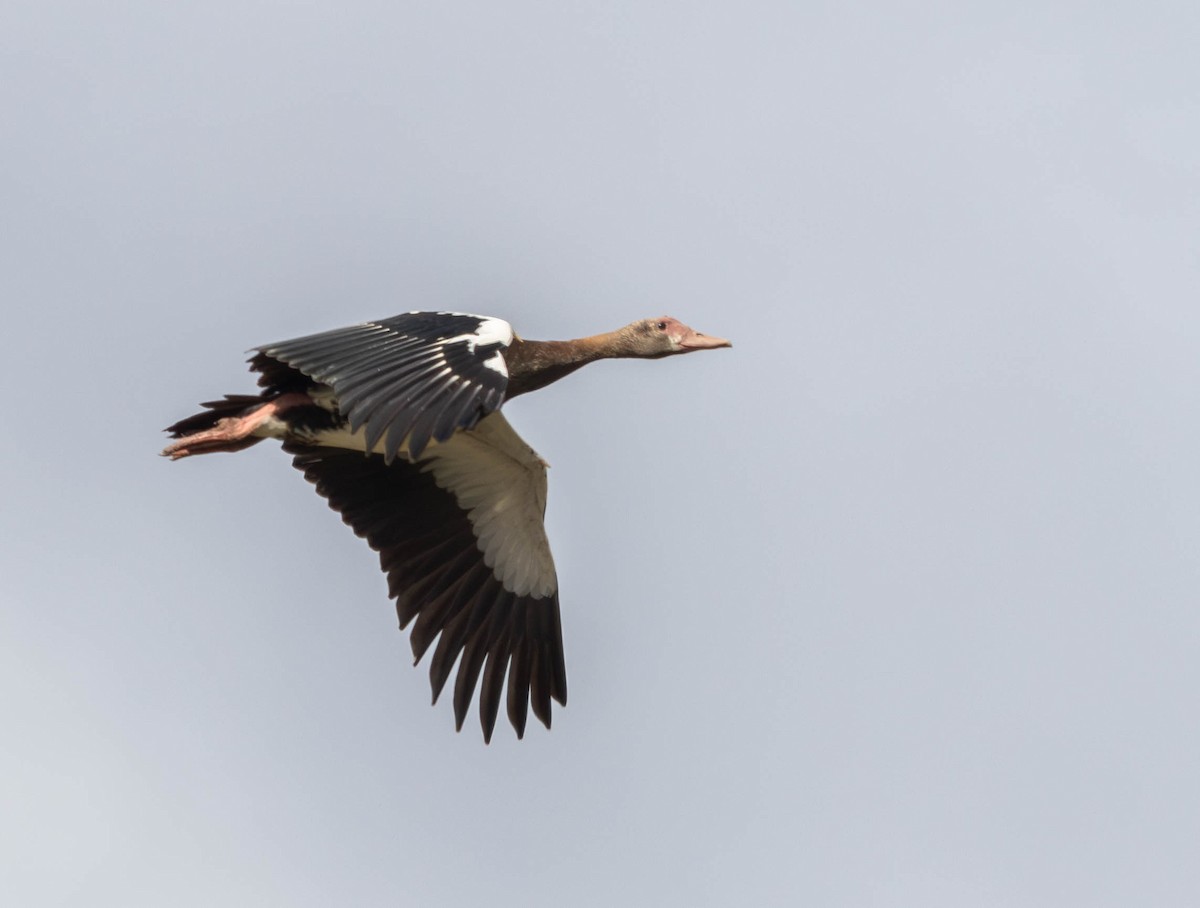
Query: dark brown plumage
point(396, 424)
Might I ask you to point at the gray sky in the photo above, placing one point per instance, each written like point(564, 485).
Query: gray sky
point(895, 603)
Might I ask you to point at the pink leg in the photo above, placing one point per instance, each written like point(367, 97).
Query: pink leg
point(234, 432)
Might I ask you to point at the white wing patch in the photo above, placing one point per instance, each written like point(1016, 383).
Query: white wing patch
point(490, 331)
point(501, 483)
point(496, 362)
point(496, 331)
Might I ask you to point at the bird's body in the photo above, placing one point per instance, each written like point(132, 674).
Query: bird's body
point(397, 424)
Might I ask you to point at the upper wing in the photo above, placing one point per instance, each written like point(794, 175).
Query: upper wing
point(461, 539)
point(415, 376)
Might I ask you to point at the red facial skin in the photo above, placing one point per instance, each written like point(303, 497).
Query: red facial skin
point(690, 339)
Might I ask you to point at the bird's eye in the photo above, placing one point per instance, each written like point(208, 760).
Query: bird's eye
point(662, 326)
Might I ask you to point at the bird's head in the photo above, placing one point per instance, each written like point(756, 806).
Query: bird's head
point(653, 338)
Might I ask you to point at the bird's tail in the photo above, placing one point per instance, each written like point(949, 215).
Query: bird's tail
point(215, 428)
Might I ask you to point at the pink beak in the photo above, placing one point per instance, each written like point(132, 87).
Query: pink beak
point(694, 340)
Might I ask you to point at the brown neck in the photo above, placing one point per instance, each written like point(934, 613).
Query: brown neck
point(535, 364)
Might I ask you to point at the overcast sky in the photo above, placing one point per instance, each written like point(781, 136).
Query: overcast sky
point(892, 604)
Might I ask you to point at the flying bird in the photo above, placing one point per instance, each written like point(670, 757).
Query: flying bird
point(397, 424)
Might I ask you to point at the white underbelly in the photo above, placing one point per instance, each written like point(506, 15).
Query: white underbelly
point(352, 441)
point(341, 437)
